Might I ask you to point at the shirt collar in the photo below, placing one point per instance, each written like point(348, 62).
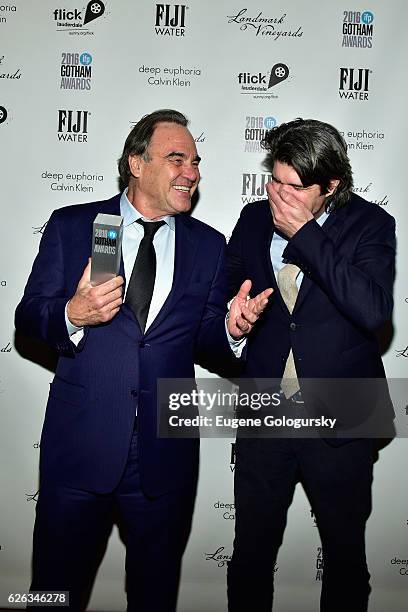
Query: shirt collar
point(130, 214)
point(323, 217)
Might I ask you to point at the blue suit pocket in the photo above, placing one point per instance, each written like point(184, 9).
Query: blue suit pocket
point(67, 392)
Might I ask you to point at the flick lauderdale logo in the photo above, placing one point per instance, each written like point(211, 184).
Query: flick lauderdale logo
point(259, 84)
point(3, 114)
point(75, 20)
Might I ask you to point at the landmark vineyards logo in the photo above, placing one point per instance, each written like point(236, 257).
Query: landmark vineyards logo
point(170, 19)
point(6, 349)
point(364, 191)
point(255, 130)
point(11, 74)
point(357, 29)
point(32, 496)
point(354, 83)
point(76, 71)
point(218, 556)
point(39, 229)
point(74, 20)
point(272, 27)
point(73, 125)
point(258, 84)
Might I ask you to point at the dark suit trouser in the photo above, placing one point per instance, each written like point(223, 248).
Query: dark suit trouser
point(72, 528)
point(337, 481)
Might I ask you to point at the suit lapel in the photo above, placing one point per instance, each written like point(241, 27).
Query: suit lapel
point(184, 259)
point(262, 252)
point(331, 228)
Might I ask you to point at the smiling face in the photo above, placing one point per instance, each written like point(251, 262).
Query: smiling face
point(286, 180)
point(166, 176)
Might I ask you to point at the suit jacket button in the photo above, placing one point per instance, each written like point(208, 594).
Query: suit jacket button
point(133, 393)
point(292, 326)
point(142, 344)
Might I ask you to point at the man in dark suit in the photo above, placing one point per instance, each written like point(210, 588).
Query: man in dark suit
point(330, 257)
point(100, 452)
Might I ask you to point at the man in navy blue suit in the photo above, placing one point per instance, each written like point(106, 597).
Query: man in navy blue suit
point(329, 255)
point(100, 453)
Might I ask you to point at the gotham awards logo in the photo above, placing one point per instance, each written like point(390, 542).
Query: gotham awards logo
point(319, 564)
point(255, 130)
point(76, 71)
point(357, 29)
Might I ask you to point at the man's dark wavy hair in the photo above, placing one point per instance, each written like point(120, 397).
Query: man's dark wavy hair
point(139, 138)
point(317, 152)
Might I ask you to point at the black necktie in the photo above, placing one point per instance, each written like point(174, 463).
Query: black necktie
point(141, 284)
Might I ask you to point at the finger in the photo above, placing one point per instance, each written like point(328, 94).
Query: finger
point(249, 315)
point(270, 189)
point(243, 325)
point(244, 289)
point(108, 286)
point(86, 275)
point(261, 300)
point(265, 294)
point(116, 304)
point(274, 191)
point(102, 303)
point(107, 312)
point(113, 296)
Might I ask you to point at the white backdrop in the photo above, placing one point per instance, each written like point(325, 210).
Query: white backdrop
point(69, 94)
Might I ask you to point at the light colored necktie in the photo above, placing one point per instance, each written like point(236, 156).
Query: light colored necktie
point(289, 292)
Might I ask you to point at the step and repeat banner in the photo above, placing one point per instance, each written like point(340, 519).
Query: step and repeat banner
point(74, 78)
